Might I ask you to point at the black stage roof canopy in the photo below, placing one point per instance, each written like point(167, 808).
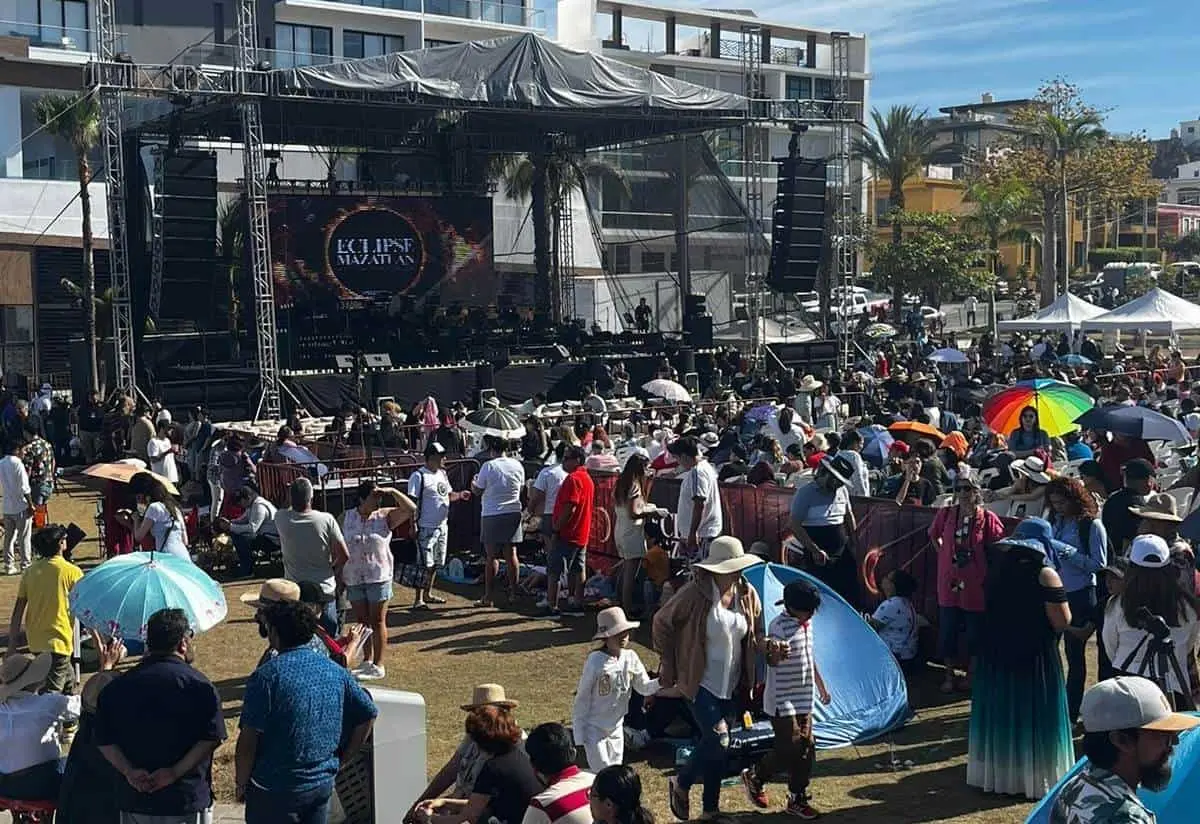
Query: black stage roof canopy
point(503, 92)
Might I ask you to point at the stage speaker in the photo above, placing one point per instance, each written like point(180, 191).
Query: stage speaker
point(698, 331)
point(687, 360)
point(485, 375)
point(695, 305)
point(190, 288)
point(797, 226)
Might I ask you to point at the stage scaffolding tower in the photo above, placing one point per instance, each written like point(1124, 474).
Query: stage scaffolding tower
point(842, 242)
point(564, 257)
point(752, 157)
point(156, 231)
point(259, 235)
point(112, 136)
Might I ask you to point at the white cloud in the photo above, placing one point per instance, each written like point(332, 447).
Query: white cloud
point(946, 60)
point(892, 40)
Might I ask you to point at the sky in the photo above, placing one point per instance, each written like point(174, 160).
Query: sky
point(1134, 58)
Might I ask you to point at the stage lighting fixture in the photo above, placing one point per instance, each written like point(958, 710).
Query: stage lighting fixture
point(263, 66)
point(273, 173)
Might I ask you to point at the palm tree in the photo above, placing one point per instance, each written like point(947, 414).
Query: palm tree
point(76, 119)
point(1000, 214)
point(231, 250)
point(896, 151)
point(1061, 137)
point(548, 181)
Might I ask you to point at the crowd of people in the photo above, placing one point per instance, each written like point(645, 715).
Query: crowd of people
point(1041, 544)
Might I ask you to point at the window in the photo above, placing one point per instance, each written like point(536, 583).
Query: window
point(16, 324)
point(823, 88)
point(620, 258)
point(53, 23)
point(302, 45)
point(357, 44)
point(798, 88)
point(653, 261)
point(436, 44)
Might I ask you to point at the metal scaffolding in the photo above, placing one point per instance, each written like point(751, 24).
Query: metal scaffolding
point(114, 170)
point(842, 242)
point(752, 156)
point(258, 235)
point(564, 255)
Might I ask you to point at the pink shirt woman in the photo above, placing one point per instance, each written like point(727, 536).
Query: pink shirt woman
point(963, 531)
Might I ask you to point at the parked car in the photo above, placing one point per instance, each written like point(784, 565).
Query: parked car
point(931, 315)
point(1001, 288)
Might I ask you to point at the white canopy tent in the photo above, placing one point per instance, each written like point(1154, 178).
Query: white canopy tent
point(1066, 314)
point(1156, 311)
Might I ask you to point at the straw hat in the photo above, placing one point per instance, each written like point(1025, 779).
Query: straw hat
point(272, 591)
point(90, 694)
point(612, 621)
point(808, 384)
point(1159, 507)
point(20, 673)
point(489, 695)
point(918, 377)
point(726, 555)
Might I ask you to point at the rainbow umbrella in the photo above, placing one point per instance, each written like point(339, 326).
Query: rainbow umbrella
point(1058, 404)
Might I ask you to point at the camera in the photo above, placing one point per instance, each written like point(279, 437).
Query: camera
point(1152, 624)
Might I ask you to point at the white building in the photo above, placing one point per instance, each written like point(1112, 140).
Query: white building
point(1184, 187)
point(1189, 132)
point(705, 46)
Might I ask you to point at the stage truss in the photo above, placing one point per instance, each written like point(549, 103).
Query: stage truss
point(248, 83)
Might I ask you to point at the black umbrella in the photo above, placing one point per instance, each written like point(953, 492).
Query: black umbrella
point(1136, 422)
point(494, 421)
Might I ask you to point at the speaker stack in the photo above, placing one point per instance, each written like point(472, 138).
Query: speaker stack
point(697, 323)
point(190, 291)
point(798, 226)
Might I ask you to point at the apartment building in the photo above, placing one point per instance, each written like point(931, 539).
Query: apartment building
point(703, 46)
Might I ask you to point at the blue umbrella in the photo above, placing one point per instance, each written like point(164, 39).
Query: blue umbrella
point(876, 441)
point(117, 597)
point(1136, 422)
point(869, 694)
point(1075, 360)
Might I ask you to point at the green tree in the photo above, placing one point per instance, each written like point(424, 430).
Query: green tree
point(1000, 213)
point(560, 174)
point(935, 256)
point(1062, 153)
point(1186, 247)
point(896, 149)
point(76, 119)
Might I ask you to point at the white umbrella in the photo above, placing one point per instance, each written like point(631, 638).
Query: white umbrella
point(667, 390)
point(948, 356)
point(494, 421)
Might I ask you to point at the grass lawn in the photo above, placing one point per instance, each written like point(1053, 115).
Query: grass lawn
point(442, 654)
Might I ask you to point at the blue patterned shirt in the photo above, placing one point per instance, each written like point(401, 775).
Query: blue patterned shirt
point(304, 706)
point(1098, 796)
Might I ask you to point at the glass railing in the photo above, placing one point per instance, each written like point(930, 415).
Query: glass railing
point(49, 37)
point(485, 11)
point(52, 168)
point(488, 11)
point(225, 54)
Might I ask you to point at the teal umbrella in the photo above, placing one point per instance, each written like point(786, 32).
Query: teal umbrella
point(117, 597)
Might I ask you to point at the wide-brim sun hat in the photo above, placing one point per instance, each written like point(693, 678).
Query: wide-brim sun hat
point(272, 591)
point(1159, 507)
point(726, 555)
point(1033, 468)
point(489, 695)
point(23, 673)
point(838, 467)
point(613, 621)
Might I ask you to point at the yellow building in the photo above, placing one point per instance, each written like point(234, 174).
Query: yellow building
point(938, 191)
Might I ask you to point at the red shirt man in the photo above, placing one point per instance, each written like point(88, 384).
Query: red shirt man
point(572, 524)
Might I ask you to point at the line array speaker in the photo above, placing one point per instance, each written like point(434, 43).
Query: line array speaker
point(797, 226)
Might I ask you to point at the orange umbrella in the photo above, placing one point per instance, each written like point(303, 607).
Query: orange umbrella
point(956, 441)
point(911, 430)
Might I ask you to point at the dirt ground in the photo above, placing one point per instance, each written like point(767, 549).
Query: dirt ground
point(442, 654)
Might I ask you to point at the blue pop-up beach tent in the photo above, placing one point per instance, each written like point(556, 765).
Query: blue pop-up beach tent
point(869, 695)
point(1175, 804)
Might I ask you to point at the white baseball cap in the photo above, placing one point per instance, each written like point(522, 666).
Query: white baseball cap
point(1149, 551)
point(1130, 702)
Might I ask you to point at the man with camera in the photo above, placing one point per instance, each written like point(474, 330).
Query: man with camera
point(1129, 735)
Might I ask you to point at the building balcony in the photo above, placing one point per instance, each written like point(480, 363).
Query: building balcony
point(482, 11)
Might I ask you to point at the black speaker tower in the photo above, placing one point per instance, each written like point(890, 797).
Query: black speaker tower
point(798, 225)
point(190, 287)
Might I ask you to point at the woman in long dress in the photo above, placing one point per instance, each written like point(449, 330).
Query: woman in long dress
point(1020, 734)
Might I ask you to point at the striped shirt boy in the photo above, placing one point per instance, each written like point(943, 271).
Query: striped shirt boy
point(790, 683)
